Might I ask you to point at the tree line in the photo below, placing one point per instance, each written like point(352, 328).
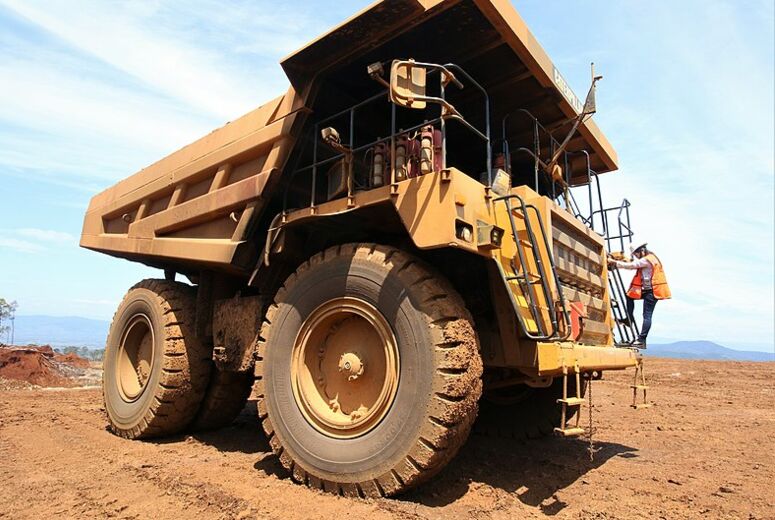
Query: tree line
point(7, 313)
point(84, 352)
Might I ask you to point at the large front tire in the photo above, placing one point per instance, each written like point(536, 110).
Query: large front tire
point(155, 368)
point(368, 371)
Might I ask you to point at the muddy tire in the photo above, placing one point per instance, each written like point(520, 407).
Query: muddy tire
point(225, 398)
point(522, 412)
point(155, 369)
point(355, 304)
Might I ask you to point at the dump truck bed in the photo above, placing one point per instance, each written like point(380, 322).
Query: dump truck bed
point(198, 207)
point(195, 205)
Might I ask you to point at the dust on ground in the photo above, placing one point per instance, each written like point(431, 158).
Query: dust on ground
point(705, 450)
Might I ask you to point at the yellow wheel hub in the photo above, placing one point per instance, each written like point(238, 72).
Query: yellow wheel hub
point(345, 368)
point(135, 357)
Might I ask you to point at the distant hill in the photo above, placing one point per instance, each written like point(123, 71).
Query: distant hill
point(74, 331)
point(704, 350)
point(60, 331)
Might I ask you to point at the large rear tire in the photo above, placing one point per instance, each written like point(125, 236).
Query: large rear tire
point(225, 398)
point(155, 368)
point(387, 391)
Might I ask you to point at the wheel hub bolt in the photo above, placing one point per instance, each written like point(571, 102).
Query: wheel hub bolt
point(350, 364)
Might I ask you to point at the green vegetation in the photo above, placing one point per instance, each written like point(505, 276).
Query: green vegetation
point(84, 352)
point(7, 313)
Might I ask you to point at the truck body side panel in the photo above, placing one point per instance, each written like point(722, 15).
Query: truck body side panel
point(193, 207)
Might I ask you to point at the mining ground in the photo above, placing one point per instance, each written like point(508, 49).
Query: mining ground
point(705, 449)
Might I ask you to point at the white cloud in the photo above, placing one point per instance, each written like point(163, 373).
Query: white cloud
point(34, 240)
point(20, 246)
point(125, 84)
point(46, 235)
point(139, 42)
point(84, 115)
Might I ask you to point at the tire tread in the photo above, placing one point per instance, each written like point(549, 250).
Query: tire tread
point(184, 375)
point(457, 383)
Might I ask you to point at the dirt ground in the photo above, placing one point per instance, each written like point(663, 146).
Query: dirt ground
point(706, 449)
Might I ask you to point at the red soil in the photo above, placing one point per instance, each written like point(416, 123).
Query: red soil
point(40, 365)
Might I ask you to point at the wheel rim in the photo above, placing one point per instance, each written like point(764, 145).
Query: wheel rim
point(345, 367)
point(135, 357)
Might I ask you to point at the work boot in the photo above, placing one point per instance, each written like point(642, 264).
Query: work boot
point(639, 343)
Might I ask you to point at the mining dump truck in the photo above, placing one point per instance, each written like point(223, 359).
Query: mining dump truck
point(409, 238)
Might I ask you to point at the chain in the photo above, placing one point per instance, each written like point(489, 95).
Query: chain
point(591, 449)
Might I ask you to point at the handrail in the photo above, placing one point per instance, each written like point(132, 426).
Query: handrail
point(486, 115)
point(550, 256)
point(451, 115)
point(623, 219)
point(531, 297)
point(542, 275)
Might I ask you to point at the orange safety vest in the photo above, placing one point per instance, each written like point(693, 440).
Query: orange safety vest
point(658, 281)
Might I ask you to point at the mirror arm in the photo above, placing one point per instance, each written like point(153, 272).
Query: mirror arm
point(588, 110)
point(381, 81)
point(375, 72)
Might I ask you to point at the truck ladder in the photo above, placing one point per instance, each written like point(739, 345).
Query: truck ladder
point(639, 384)
point(567, 402)
point(626, 328)
point(536, 292)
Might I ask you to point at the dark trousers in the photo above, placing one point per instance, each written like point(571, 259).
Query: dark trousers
point(649, 302)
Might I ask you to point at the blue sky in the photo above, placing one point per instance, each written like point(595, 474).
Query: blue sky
point(91, 94)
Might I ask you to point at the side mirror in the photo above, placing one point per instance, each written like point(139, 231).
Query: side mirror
point(407, 84)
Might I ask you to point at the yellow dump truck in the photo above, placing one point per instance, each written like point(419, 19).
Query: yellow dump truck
point(384, 253)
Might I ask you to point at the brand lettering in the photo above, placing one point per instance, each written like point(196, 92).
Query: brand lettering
point(566, 91)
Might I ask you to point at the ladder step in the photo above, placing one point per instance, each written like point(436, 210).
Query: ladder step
point(639, 387)
point(569, 432)
point(640, 406)
point(572, 401)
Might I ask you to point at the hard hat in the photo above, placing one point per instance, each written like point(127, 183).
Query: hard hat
point(634, 246)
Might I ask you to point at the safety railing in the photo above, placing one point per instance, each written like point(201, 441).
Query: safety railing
point(622, 231)
point(351, 114)
point(528, 281)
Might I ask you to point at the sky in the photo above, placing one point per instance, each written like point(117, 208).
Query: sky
point(90, 95)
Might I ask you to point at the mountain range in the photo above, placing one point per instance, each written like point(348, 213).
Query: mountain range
point(75, 331)
point(60, 331)
point(705, 350)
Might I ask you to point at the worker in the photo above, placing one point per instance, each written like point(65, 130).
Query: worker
point(649, 284)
